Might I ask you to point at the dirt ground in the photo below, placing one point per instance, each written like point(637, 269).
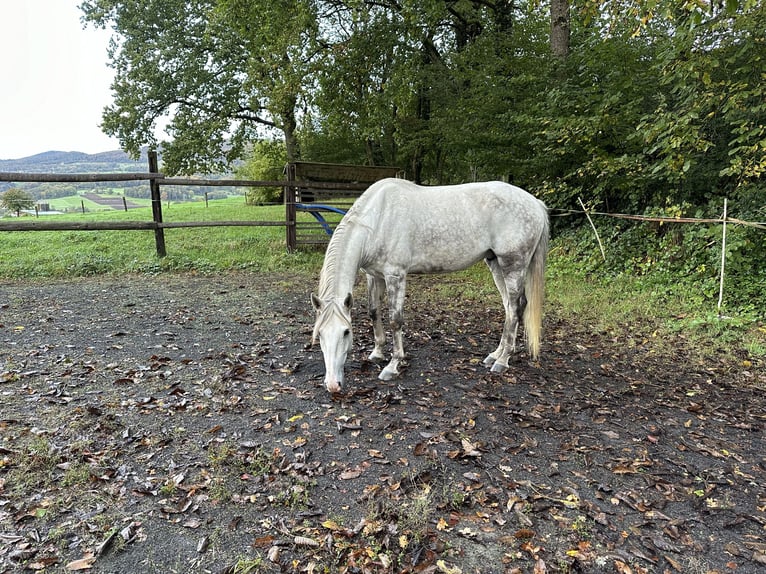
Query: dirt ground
point(179, 423)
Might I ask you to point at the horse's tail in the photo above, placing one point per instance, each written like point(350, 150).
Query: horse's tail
point(535, 292)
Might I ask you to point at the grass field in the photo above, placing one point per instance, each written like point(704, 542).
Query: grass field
point(627, 306)
point(75, 203)
point(38, 254)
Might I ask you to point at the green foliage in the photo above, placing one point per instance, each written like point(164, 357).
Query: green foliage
point(16, 199)
point(266, 163)
point(659, 100)
point(674, 262)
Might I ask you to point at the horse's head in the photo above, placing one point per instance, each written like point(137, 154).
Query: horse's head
point(333, 329)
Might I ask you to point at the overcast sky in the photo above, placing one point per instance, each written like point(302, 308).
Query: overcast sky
point(55, 81)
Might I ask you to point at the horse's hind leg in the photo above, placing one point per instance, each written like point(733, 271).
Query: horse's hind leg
point(375, 288)
point(510, 284)
point(499, 278)
point(395, 286)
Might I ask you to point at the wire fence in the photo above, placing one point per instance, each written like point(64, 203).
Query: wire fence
point(724, 221)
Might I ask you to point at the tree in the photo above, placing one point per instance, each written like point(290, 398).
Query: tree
point(626, 104)
point(221, 73)
point(216, 80)
point(16, 200)
point(560, 28)
point(401, 74)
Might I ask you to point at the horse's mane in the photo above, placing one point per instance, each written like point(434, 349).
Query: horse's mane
point(332, 259)
point(336, 254)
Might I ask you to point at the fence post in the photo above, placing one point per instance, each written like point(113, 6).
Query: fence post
point(723, 254)
point(154, 186)
point(290, 197)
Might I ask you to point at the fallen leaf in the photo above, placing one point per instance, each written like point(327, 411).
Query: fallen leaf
point(469, 449)
point(305, 541)
point(332, 525)
point(85, 563)
point(350, 474)
point(443, 567)
point(263, 541)
point(202, 544)
point(468, 533)
point(42, 563)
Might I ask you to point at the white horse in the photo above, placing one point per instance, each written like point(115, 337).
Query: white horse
point(397, 227)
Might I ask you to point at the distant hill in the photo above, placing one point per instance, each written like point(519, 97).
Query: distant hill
point(76, 162)
point(115, 161)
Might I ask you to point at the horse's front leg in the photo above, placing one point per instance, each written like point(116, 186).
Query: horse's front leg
point(395, 286)
point(375, 288)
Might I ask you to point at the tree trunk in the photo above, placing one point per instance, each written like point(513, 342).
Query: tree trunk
point(560, 28)
point(289, 127)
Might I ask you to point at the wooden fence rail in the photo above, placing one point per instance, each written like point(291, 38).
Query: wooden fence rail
point(19, 177)
point(304, 182)
point(157, 180)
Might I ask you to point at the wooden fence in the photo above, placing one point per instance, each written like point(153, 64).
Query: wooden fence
point(325, 191)
point(297, 193)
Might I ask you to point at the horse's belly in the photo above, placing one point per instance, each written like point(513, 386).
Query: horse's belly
point(443, 265)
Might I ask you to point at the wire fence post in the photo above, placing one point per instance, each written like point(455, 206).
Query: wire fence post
point(723, 255)
point(600, 245)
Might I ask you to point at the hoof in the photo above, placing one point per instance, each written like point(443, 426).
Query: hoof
point(376, 357)
point(490, 360)
point(498, 368)
point(387, 374)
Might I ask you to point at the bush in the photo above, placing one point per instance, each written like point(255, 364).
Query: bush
point(266, 163)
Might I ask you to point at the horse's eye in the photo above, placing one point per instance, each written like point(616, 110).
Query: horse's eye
point(346, 333)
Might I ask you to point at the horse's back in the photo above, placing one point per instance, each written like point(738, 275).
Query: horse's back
point(444, 228)
point(393, 188)
point(463, 205)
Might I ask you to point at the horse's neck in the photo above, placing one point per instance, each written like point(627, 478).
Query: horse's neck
point(341, 264)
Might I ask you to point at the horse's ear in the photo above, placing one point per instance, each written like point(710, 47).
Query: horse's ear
point(349, 301)
point(316, 302)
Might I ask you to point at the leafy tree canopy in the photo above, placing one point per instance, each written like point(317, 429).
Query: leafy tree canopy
point(16, 200)
point(656, 102)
